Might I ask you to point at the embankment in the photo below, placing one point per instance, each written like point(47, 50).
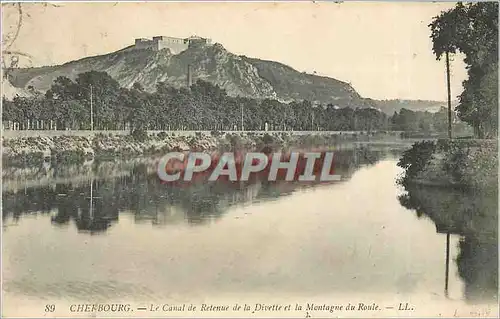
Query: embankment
point(455, 184)
point(63, 148)
point(465, 164)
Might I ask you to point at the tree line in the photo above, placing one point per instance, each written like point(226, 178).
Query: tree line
point(204, 106)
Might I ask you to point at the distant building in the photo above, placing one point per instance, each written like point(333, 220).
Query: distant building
point(198, 41)
point(176, 45)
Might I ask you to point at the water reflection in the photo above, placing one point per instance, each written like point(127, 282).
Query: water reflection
point(349, 237)
point(473, 216)
point(94, 204)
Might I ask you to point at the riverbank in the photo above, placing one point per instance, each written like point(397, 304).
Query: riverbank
point(74, 149)
point(464, 164)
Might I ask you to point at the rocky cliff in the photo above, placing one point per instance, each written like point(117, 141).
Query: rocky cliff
point(239, 75)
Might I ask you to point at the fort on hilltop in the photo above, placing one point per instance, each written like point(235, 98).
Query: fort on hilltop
point(176, 45)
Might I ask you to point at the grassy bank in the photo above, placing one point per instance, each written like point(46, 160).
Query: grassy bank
point(465, 164)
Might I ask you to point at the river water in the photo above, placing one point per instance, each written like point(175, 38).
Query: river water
point(122, 236)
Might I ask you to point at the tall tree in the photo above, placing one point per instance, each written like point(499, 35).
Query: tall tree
point(473, 30)
point(106, 92)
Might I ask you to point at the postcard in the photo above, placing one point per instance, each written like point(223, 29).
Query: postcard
point(312, 159)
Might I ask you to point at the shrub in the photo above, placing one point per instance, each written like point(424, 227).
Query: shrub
point(139, 135)
point(414, 160)
point(162, 135)
point(192, 141)
point(216, 133)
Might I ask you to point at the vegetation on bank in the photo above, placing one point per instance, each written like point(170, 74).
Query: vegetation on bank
point(203, 106)
point(471, 29)
point(33, 150)
point(466, 164)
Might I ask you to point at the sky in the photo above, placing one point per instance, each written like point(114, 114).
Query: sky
point(383, 49)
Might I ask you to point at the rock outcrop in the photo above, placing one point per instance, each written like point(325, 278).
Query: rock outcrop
point(238, 75)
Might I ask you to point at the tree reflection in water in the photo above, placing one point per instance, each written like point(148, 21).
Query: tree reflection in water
point(140, 192)
point(473, 216)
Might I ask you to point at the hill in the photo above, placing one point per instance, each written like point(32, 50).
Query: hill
point(238, 75)
point(9, 91)
point(391, 106)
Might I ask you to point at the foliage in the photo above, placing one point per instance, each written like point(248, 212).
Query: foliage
point(416, 158)
point(468, 164)
point(472, 29)
point(204, 107)
point(139, 135)
point(455, 161)
point(216, 133)
point(162, 135)
point(426, 122)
